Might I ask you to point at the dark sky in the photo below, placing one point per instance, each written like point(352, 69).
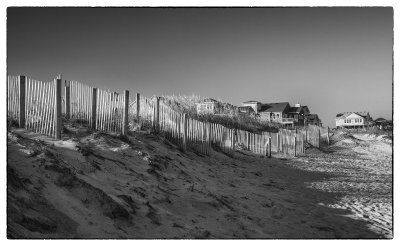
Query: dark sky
point(330, 59)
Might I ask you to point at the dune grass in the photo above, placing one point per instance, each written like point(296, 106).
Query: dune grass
point(227, 115)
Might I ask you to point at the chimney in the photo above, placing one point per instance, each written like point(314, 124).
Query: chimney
point(297, 105)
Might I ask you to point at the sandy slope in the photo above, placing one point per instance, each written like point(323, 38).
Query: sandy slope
point(93, 185)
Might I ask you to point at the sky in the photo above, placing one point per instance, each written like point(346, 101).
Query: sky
point(330, 59)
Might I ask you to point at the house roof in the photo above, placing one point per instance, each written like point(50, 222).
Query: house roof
point(246, 108)
point(264, 107)
point(208, 100)
point(346, 114)
point(274, 107)
point(251, 101)
point(380, 120)
point(363, 114)
point(297, 110)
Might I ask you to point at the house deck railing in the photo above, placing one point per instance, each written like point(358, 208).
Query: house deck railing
point(287, 120)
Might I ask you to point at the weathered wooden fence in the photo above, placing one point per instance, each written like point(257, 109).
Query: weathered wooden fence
point(142, 112)
point(180, 129)
point(13, 98)
point(36, 105)
point(171, 124)
point(291, 142)
point(315, 135)
point(324, 135)
point(257, 143)
point(110, 111)
point(275, 138)
point(40, 107)
point(222, 137)
point(78, 99)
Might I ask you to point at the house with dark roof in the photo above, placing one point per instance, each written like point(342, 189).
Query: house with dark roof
point(283, 113)
point(276, 112)
point(299, 113)
point(383, 123)
point(353, 120)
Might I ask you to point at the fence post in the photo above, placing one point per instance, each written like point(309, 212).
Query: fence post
point(279, 142)
point(327, 138)
point(209, 136)
point(184, 140)
point(306, 136)
point(269, 147)
point(22, 82)
point(233, 139)
point(125, 125)
point(94, 108)
point(295, 145)
point(138, 110)
point(57, 109)
point(156, 113)
point(67, 100)
point(248, 141)
point(319, 137)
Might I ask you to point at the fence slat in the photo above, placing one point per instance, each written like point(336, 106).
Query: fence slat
point(57, 109)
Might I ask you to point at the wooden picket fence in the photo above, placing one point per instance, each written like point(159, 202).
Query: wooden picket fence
point(110, 111)
point(275, 140)
point(222, 137)
point(39, 107)
point(100, 109)
point(291, 142)
point(79, 106)
point(324, 135)
point(315, 135)
point(36, 105)
point(185, 132)
point(143, 112)
point(32, 104)
point(257, 143)
point(13, 98)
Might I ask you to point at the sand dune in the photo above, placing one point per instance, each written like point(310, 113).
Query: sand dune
point(95, 185)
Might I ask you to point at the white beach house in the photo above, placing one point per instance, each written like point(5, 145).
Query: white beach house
point(353, 120)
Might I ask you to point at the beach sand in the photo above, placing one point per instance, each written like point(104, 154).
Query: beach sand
point(95, 185)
